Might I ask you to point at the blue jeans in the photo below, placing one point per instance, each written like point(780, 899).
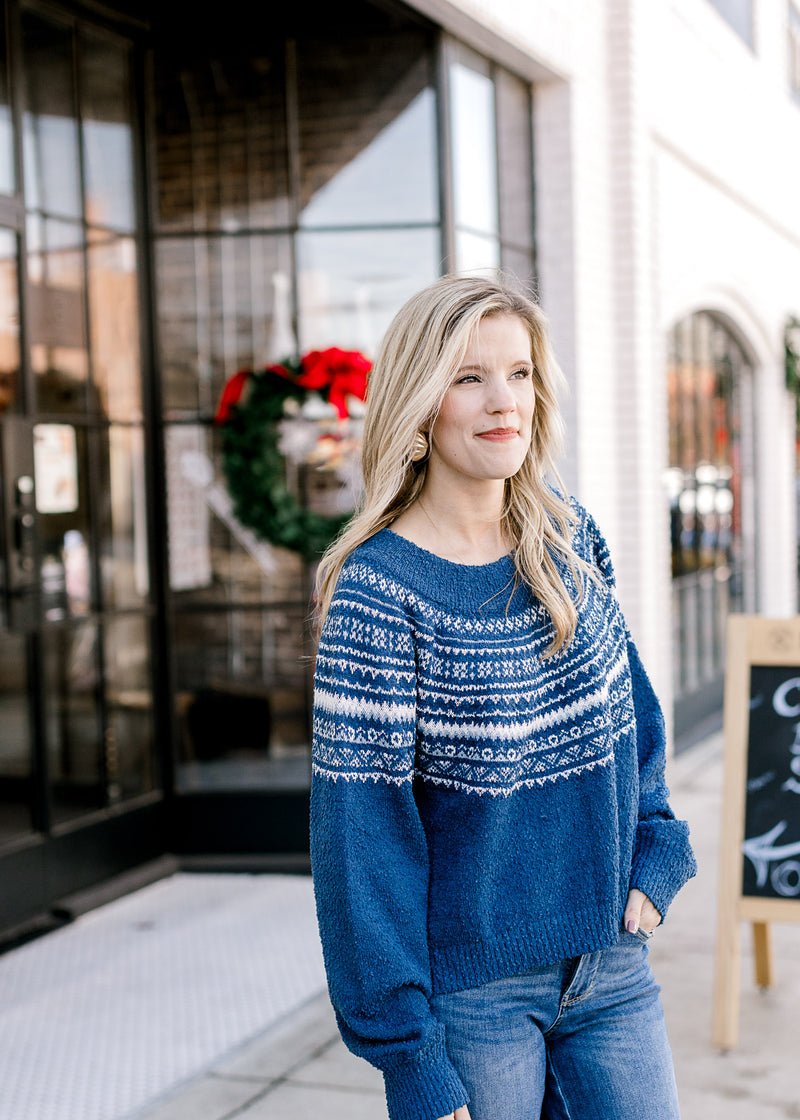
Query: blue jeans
point(583, 1039)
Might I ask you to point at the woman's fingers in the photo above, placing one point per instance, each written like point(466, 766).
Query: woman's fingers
point(459, 1114)
point(640, 912)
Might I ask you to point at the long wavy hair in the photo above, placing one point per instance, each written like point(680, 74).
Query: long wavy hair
point(425, 345)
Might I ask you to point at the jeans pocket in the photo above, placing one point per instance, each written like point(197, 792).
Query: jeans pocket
point(641, 935)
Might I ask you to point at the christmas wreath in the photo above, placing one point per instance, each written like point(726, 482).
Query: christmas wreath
point(277, 422)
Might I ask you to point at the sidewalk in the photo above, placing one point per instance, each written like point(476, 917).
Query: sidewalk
point(300, 1070)
point(237, 1025)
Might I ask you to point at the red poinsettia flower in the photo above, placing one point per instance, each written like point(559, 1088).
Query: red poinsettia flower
point(231, 395)
point(343, 373)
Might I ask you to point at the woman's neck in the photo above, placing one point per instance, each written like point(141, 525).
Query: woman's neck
point(458, 523)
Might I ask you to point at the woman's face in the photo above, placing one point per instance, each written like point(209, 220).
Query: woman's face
point(483, 430)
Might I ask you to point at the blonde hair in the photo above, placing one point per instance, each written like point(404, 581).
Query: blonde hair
point(424, 346)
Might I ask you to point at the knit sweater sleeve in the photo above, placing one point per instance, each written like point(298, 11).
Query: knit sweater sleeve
point(368, 848)
point(662, 855)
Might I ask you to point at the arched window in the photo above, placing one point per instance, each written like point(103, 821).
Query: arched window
point(710, 485)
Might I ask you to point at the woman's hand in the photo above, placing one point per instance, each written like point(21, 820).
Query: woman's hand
point(459, 1114)
point(640, 913)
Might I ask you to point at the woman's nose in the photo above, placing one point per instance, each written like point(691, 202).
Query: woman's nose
point(501, 399)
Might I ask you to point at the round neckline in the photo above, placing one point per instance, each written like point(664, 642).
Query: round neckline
point(469, 590)
point(501, 560)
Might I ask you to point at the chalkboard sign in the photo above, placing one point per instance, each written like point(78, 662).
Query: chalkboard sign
point(759, 877)
point(772, 803)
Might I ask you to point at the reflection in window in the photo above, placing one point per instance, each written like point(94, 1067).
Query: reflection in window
point(106, 130)
point(188, 474)
point(221, 141)
point(49, 126)
point(7, 173)
point(212, 558)
point(124, 532)
point(9, 323)
point(57, 314)
point(62, 486)
point(242, 699)
point(16, 745)
point(71, 679)
point(384, 170)
point(474, 149)
point(352, 283)
point(708, 381)
point(515, 172)
point(129, 740)
point(114, 325)
point(222, 303)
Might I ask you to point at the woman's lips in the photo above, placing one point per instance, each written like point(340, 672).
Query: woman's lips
point(498, 434)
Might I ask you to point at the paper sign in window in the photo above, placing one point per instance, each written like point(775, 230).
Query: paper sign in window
point(55, 460)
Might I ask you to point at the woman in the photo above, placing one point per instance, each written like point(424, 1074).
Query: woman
point(491, 839)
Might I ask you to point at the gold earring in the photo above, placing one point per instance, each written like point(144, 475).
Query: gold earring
point(419, 448)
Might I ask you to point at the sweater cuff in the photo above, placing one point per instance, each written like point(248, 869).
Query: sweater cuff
point(424, 1087)
point(662, 861)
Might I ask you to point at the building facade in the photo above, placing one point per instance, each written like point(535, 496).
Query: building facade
point(180, 203)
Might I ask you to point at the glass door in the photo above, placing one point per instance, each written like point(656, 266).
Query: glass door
point(88, 441)
point(18, 585)
point(77, 742)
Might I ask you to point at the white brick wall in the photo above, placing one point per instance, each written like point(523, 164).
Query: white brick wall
point(667, 172)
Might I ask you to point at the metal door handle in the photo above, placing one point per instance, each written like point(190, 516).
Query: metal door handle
point(25, 522)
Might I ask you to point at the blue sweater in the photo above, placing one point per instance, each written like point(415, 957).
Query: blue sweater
point(476, 811)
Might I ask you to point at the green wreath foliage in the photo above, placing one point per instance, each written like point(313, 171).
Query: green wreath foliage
point(792, 360)
point(792, 354)
point(256, 475)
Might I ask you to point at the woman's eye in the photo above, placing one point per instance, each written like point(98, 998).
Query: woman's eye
point(521, 373)
point(465, 380)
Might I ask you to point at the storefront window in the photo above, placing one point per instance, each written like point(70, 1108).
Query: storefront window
point(50, 122)
point(73, 723)
point(351, 283)
point(7, 174)
point(61, 472)
point(242, 699)
point(709, 479)
point(515, 173)
point(129, 741)
point(57, 315)
point(114, 325)
point(492, 166)
point(213, 558)
point(106, 132)
point(16, 754)
point(221, 302)
point(474, 152)
point(221, 145)
point(77, 458)
point(383, 171)
point(124, 568)
point(298, 206)
point(9, 324)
